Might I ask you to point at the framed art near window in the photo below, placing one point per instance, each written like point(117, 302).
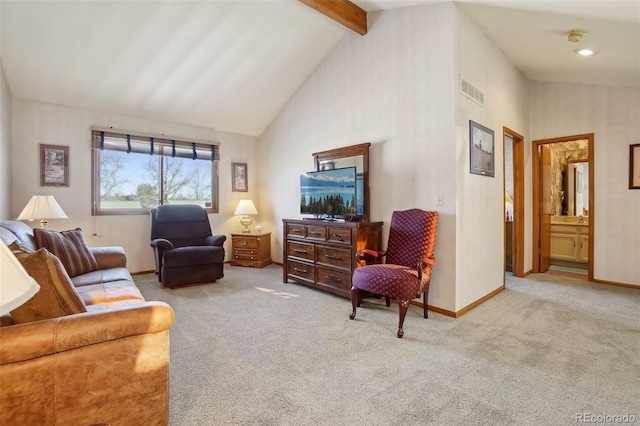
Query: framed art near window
point(54, 165)
point(482, 156)
point(239, 177)
point(634, 166)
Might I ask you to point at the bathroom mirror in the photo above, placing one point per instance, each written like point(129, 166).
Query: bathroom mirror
point(577, 187)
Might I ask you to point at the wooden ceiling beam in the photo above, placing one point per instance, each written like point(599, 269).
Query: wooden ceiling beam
point(343, 12)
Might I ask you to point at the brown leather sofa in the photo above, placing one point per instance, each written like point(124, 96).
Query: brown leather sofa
point(107, 365)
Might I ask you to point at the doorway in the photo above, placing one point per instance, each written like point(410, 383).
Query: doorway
point(563, 204)
point(514, 201)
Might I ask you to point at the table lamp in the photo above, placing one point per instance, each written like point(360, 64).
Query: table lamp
point(42, 207)
point(16, 286)
point(246, 208)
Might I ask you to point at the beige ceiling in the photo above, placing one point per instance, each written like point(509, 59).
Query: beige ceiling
point(233, 65)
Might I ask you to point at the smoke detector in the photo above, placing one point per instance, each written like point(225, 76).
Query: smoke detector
point(575, 35)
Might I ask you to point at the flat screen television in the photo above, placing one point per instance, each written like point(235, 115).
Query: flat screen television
point(329, 194)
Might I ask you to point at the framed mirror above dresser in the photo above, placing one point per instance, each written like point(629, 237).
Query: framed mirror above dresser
point(350, 156)
point(321, 253)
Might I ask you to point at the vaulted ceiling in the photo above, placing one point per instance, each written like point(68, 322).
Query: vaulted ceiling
point(233, 65)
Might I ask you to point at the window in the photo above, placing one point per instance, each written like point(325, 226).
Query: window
point(132, 174)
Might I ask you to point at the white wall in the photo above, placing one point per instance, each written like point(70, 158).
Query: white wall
point(611, 113)
point(480, 210)
point(397, 87)
point(6, 168)
point(393, 88)
point(35, 123)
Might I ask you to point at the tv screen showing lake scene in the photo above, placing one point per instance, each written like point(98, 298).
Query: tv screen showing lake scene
point(328, 192)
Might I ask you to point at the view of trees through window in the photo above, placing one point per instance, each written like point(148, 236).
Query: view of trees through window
point(131, 181)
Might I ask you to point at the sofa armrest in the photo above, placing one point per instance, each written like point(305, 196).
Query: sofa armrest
point(22, 342)
point(109, 257)
point(215, 240)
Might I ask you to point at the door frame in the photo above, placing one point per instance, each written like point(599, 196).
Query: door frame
point(518, 199)
point(536, 194)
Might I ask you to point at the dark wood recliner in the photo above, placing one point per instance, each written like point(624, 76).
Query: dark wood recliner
point(406, 274)
point(185, 250)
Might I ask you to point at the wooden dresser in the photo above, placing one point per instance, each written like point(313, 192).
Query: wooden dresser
point(322, 254)
point(251, 250)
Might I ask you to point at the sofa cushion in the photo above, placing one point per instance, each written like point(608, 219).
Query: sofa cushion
point(102, 276)
point(70, 247)
point(57, 296)
point(20, 231)
point(109, 292)
point(19, 251)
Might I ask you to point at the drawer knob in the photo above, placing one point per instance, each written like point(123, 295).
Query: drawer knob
point(244, 243)
point(333, 279)
point(304, 271)
point(300, 251)
point(337, 237)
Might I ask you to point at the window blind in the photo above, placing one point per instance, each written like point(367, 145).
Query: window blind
point(115, 141)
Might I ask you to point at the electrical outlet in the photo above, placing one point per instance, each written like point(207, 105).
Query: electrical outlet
point(440, 200)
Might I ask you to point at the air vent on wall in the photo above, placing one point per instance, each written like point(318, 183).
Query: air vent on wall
point(471, 92)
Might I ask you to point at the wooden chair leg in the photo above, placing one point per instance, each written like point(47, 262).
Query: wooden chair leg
point(386, 299)
point(425, 301)
point(404, 305)
point(355, 302)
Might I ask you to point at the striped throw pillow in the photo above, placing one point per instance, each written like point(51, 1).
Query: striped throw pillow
point(70, 247)
point(57, 296)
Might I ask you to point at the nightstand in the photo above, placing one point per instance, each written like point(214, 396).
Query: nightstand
point(251, 250)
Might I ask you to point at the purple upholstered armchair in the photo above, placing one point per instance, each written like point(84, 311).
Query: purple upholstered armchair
point(185, 251)
point(409, 258)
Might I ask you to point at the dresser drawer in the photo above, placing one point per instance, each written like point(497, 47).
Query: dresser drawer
point(245, 254)
point(335, 257)
point(294, 230)
point(245, 242)
point(339, 235)
point(302, 250)
point(316, 232)
point(301, 271)
point(333, 278)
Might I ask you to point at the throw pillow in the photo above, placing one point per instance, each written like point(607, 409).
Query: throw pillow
point(57, 296)
point(18, 250)
point(70, 247)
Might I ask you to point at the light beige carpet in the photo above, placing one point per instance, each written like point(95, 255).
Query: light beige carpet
point(250, 350)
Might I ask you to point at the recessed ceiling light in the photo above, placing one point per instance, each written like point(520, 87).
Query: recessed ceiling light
point(584, 52)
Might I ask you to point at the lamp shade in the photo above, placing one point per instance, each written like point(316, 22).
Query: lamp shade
point(16, 286)
point(42, 207)
point(246, 207)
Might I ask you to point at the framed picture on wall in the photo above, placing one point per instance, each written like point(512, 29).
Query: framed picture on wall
point(634, 166)
point(239, 182)
point(482, 156)
point(54, 165)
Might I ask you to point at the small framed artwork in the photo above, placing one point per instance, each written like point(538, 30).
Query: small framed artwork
point(634, 166)
point(54, 165)
point(482, 156)
point(239, 181)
